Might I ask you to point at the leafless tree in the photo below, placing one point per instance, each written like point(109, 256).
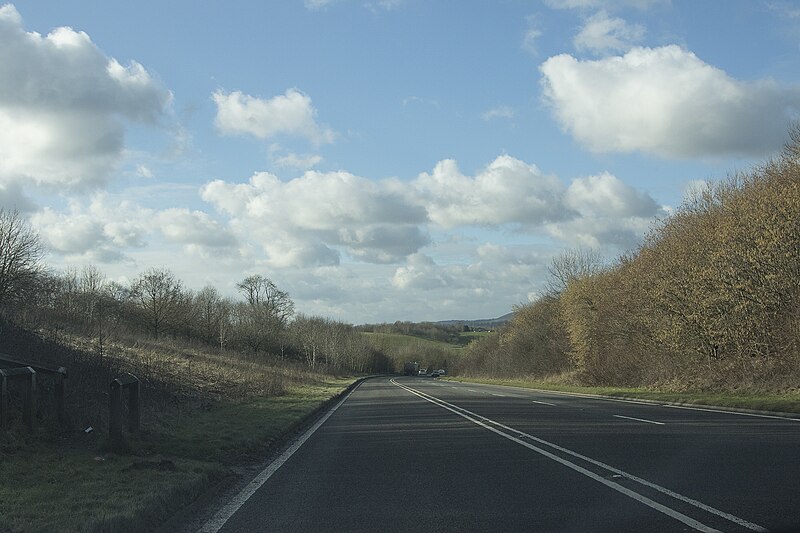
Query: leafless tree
point(572, 265)
point(262, 292)
point(21, 255)
point(159, 295)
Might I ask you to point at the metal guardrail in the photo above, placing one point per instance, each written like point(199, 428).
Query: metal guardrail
point(28, 375)
point(115, 410)
point(19, 370)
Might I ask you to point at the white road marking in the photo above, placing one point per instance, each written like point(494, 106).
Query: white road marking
point(472, 390)
point(545, 403)
point(224, 514)
point(479, 420)
point(640, 420)
point(758, 415)
point(500, 395)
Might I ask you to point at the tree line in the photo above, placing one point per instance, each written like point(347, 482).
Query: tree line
point(710, 299)
point(262, 322)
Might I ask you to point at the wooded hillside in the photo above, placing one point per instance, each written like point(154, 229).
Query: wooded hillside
point(711, 299)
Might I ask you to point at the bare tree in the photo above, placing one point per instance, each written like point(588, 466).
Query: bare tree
point(21, 254)
point(209, 312)
point(159, 295)
point(571, 265)
point(262, 292)
point(261, 321)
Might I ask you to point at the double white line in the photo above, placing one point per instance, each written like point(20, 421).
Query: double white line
point(518, 436)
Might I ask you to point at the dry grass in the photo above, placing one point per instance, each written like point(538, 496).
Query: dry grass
point(202, 410)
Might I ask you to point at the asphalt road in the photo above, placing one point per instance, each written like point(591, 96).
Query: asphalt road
point(418, 454)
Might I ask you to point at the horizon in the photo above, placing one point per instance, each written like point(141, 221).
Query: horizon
point(379, 160)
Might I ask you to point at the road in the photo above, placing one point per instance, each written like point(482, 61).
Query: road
point(418, 454)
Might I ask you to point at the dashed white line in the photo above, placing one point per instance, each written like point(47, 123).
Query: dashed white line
point(544, 403)
point(485, 423)
point(641, 420)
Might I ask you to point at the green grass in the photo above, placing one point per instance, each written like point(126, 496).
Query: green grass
point(788, 402)
point(393, 341)
point(70, 485)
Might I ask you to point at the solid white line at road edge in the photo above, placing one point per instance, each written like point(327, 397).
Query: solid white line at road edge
point(477, 419)
point(224, 514)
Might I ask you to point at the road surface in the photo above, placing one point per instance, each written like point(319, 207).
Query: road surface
point(418, 454)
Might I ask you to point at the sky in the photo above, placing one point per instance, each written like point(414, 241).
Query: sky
point(379, 160)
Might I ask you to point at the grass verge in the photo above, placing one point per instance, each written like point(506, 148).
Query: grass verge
point(70, 485)
point(788, 402)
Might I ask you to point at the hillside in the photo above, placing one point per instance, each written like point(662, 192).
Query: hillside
point(486, 323)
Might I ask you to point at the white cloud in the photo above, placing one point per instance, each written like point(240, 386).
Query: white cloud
point(61, 105)
point(611, 214)
point(194, 228)
point(302, 222)
point(384, 5)
point(508, 191)
point(532, 34)
point(498, 112)
point(313, 219)
point(607, 4)
point(668, 102)
point(291, 113)
point(317, 5)
point(143, 171)
point(106, 229)
point(603, 33)
point(420, 273)
point(302, 162)
point(606, 195)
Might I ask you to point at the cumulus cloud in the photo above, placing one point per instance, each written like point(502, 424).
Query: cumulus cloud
point(668, 102)
point(420, 273)
point(508, 191)
point(311, 220)
point(610, 213)
point(62, 105)
point(602, 33)
point(608, 196)
point(301, 222)
point(291, 113)
point(105, 229)
point(193, 228)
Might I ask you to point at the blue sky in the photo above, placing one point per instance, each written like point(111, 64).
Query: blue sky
point(379, 160)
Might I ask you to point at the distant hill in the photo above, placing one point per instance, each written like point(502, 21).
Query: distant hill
point(486, 323)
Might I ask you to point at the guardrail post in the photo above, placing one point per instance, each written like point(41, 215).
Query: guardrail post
point(134, 416)
point(3, 400)
point(130, 382)
point(29, 408)
point(59, 391)
point(29, 398)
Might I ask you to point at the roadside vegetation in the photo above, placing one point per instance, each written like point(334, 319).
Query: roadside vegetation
point(223, 380)
point(709, 303)
point(433, 346)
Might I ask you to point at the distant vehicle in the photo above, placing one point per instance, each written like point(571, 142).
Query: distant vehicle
point(441, 372)
point(435, 374)
point(423, 371)
point(411, 369)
